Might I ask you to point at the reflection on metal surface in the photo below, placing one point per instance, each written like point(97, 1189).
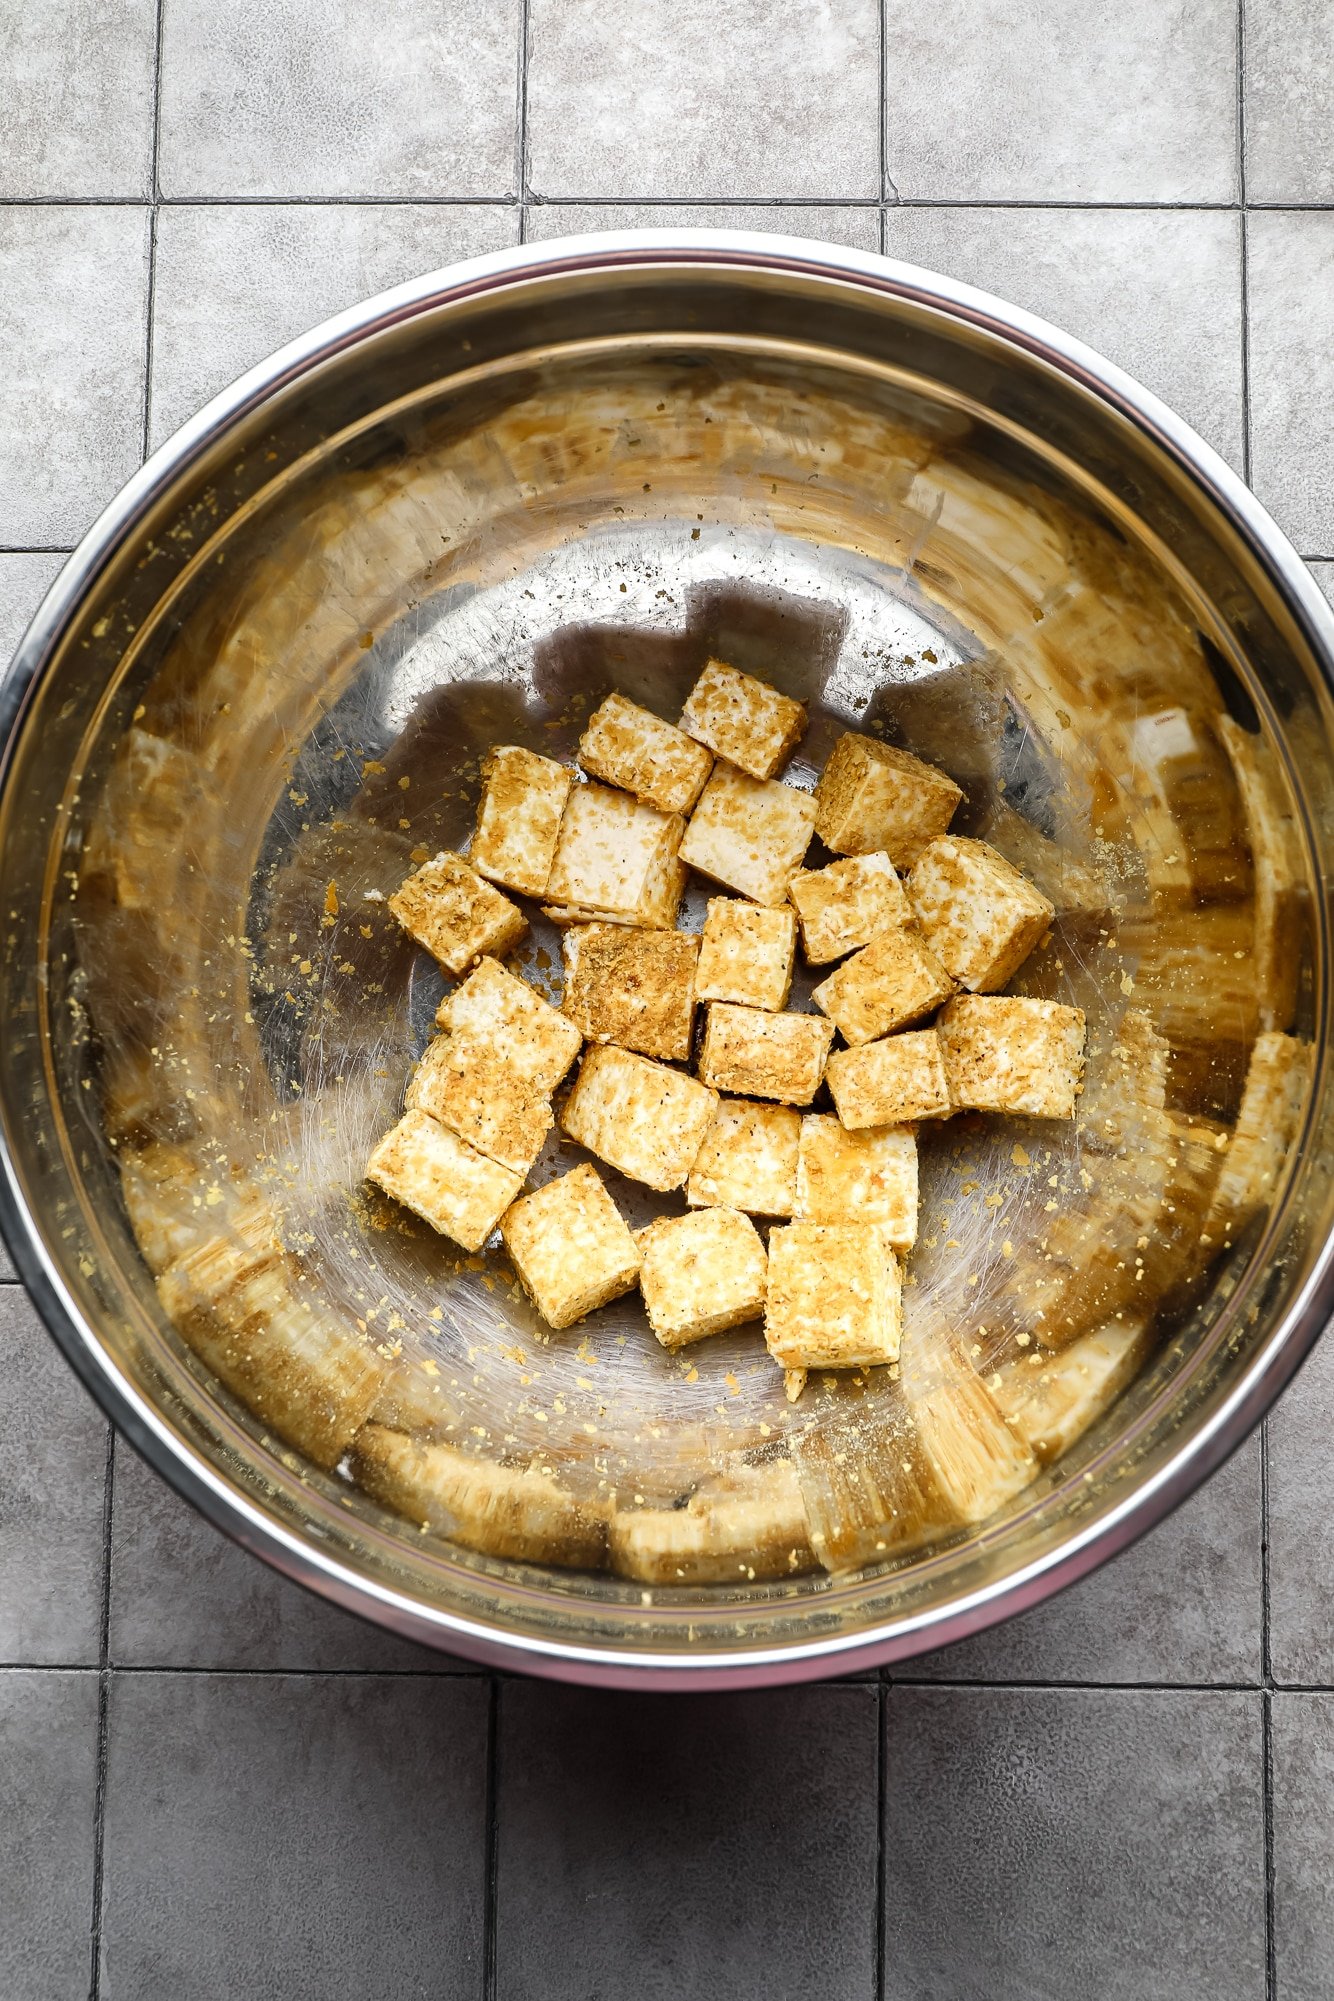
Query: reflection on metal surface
point(274, 699)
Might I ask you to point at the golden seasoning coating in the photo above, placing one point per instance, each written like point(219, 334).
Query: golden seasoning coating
point(764, 1055)
point(746, 954)
point(835, 1296)
point(1006, 1054)
point(638, 1116)
point(631, 747)
point(518, 818)
point(1051, 1400)
point(448, 908)
point(981, 918)
point(632, 987)
point(442, 1179)
point(518, 1513)
point(750, 835)
point(701, 1273)
point(483, 1098)
point(892, 981)
point(570, 1246)
point(612, 858)
point(872, 796)
point(748, 1160)
point(890, 1083)
point(742, 719)
point(506, 1014)
point(858, 1177)
point(750, 1524)
point(846, 904)
point(1278, 1078)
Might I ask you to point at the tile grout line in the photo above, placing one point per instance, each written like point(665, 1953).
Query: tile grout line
point(103, 1708)
point(1245, 270)
point(883, 101)
point(156, 193)
point(795, 199)
point(882, 1718)
point(521, 132)
point(492, 1841)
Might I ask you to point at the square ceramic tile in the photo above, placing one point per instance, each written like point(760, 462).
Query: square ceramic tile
point(1157, 292)
point(76, 113)
point(1291, 296)
point(664, 1846)
point(1303, 1766)
point(856, 228)
point(276, 1835)
point(184, 1595)
point(1289, 68)
point(1324, 576)
point(233, 283)
point(353, 97)
point(74, 283)
point(1063, 100)
point(23, 584)
point(48, 1791)
point(1074, 1842)
point(1301, 1502)
point(697, 100)
point(52, 1483)
point(1182, 1604)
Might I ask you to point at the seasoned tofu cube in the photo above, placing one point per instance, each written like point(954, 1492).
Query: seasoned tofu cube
point(835, 1298)
point(894, 980)
point(858, 1177)
point(764, 1055)
point(518, 819)
point(614, 859)
point(442, 1179)
point(504, 1013)
point(480, 1096)
point(1004, 1054)
point(890, 1083)
point(980, 917)
point(748, 1160)
point(871, 796)
point(448, 908)
point(742, 719)
point(846, 904)
point(638, 1116)
point(746, 954)
point(571, 1246)
point(632, 987)
point(700, 1274)
point(631, 747)
point(749, 834)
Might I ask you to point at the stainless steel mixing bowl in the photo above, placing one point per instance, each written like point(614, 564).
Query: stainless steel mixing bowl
point(457, 515)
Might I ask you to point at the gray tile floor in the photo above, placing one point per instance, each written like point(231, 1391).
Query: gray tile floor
point(212, 1785)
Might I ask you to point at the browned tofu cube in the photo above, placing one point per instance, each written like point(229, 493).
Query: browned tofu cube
point(1278, 1081)
point(1004, 1054)
point(442, 1179)
point(481, 1097)
point(871, 796)
point(980, 917)
point(742, 719)
point(570, 1246)
point(631, 747)
point(700, 1274)
point(615, 859)
point(762, 1055)
point(748, 1160)
point(749, 834)
point(894, 980)
point(638, 1116)
point(846, 904)
point(504, 1013)
point(632, 987)
point(835, 1296)
point(858, 1177)
point(746, 954)
point(890, 1083)
point(518, 819)
point(448, 908)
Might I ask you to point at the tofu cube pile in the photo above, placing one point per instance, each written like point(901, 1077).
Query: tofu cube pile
point(694, 1077)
